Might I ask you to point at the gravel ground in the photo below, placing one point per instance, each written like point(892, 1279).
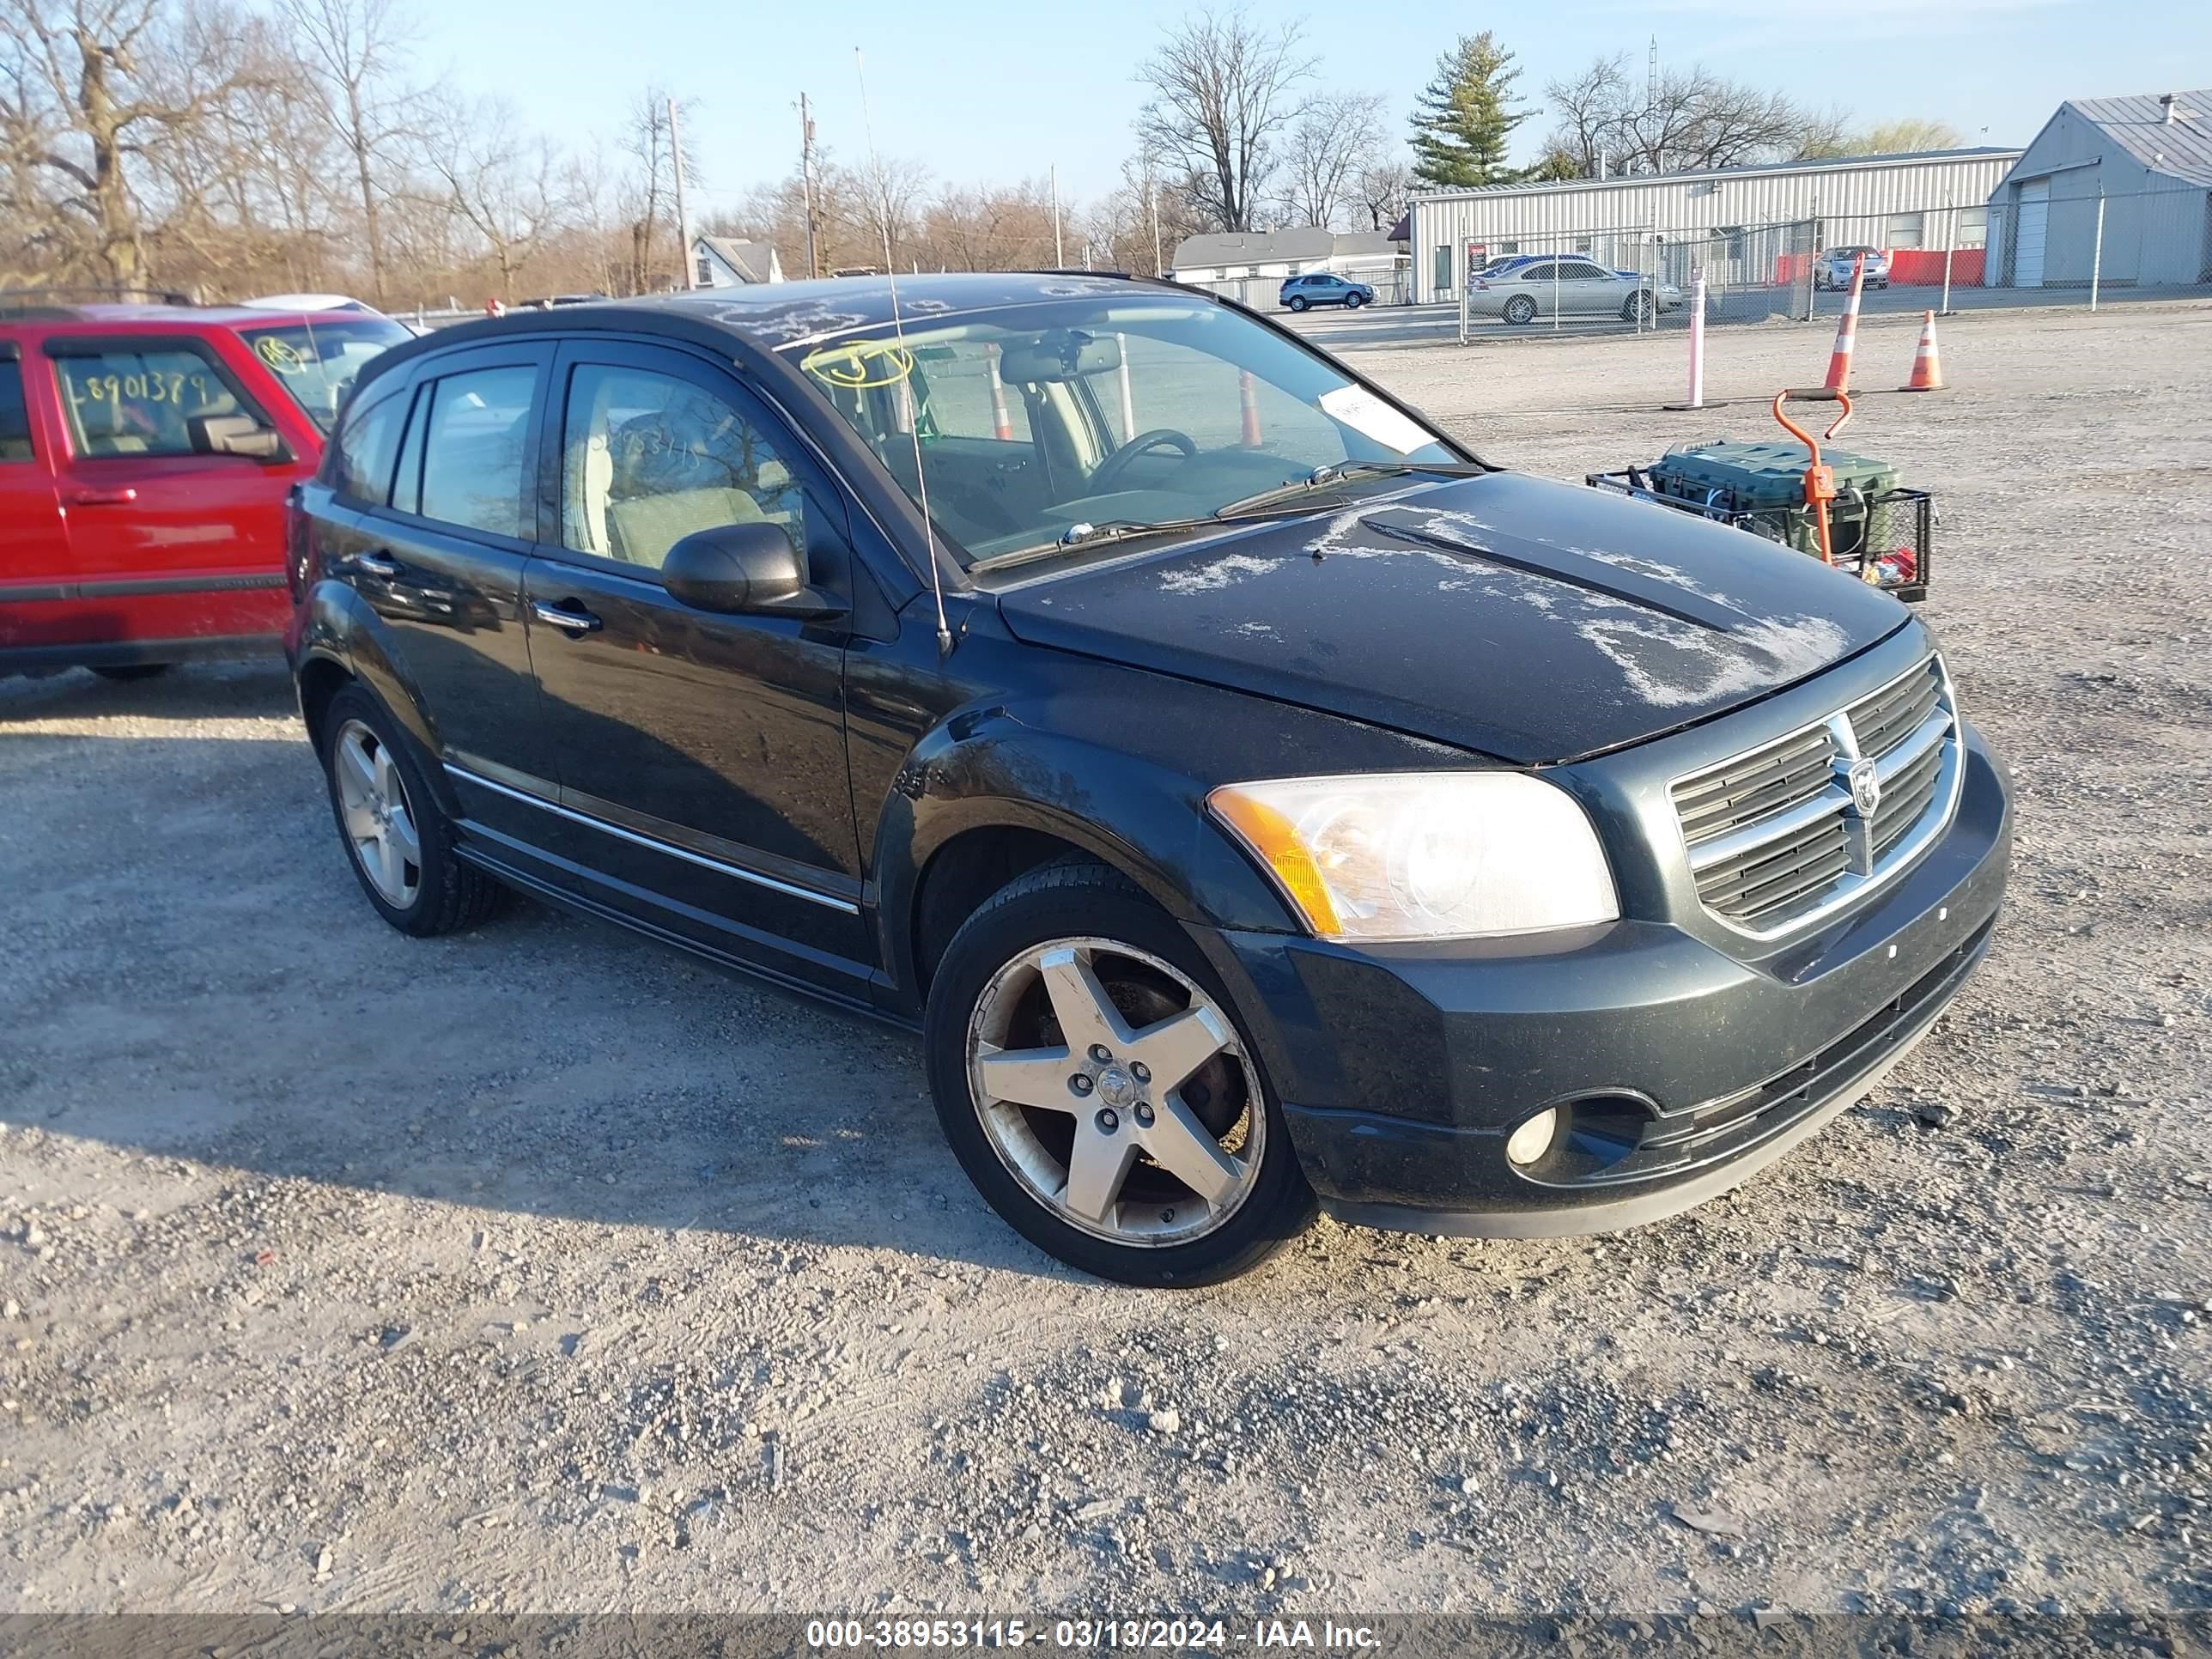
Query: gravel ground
point(543, 1269)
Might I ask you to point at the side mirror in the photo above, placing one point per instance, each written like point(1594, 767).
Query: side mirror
point(749, 569)
point(234, 434)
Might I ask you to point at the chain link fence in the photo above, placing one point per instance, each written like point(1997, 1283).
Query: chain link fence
point(1634, 279)
point(2052, 242)
point(2061, 239)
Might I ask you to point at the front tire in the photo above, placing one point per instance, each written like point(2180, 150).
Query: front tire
point(1096, 1085)
point(1353, 301)
point(1637, 308)
point(396, 836)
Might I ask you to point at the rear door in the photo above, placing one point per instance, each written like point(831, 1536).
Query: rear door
point(701, 756)
point(35, 581)
point(1540, 283)
point(435, 514)
point(167, 542)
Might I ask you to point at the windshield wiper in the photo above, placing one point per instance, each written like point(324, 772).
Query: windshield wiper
point(1323, 476)
point(1087, 535)
point(1080, 536)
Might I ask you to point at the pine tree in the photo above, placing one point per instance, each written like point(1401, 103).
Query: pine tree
point(1463, 118)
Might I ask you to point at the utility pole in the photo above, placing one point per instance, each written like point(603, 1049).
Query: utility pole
point(1152, 199)
point(683, 201)
point(807, 178)
point(1059, 253)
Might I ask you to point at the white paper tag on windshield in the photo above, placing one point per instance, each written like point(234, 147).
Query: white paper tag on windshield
point(1368, 416)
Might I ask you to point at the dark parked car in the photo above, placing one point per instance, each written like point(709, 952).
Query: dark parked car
point(1323, 288)
point(1279, 803)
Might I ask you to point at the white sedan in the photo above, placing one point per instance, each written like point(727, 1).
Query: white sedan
point(1570, 287)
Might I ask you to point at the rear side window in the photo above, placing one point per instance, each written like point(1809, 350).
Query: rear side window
point(361, 466)
point(474, 445)
point(15, 419)
point(139, 400)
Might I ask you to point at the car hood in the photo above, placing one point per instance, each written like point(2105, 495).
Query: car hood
point(1530, 621)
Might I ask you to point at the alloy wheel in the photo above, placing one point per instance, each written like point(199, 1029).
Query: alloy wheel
point(1115, 1092)
point(379, 825)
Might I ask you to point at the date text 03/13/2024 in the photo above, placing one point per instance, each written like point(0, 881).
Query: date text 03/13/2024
point(1114, 1634)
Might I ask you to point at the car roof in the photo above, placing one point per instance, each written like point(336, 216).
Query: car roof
point(770, 316)
point(133, 319)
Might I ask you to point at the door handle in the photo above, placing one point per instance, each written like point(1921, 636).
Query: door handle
point(579, 621)
point(375, 564)
point(122, 497)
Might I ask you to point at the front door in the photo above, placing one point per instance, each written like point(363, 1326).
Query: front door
point(701, 755)
point(166, 540)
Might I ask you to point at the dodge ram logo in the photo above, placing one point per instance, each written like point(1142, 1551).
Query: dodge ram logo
point(1865, 780)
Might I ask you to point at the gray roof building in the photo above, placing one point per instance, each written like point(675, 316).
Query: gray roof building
point(1280, 252)
point(728, 261)
point(2114, 186)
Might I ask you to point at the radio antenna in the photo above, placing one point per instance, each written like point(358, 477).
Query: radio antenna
point(906, 361)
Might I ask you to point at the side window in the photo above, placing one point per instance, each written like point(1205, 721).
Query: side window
point(474, 442)
point(646, 459)
point(360, 467)
point(141, 399)
point(15, 419)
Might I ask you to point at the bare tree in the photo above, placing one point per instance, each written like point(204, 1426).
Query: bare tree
point(1339, 138)
point(357, 52)
point(505, 186)
point(885, 201)
point(1382, 192)
point(1223, 91)
point(78, 109)
point(1610, 118)
point(653, 192)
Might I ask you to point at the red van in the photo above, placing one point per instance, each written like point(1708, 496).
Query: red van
point(146, 452)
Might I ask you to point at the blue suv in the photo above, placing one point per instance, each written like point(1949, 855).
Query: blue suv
point(1324, 287)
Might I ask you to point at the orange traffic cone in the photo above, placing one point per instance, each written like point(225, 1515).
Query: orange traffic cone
point(1847, 333)
point(1927, 367)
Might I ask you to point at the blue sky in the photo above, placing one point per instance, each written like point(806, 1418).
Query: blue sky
point(998, 90)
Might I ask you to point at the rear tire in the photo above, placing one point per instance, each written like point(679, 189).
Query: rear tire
point(128, 674)
point(1019, 977)
point(1298, 302)
point(397, 838)
point(1520, 311)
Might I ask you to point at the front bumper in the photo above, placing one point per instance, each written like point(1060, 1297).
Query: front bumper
point(1402, 1069)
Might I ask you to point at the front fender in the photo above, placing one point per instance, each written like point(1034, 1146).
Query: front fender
point(990, 769)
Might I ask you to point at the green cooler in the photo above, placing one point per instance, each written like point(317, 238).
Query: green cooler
point(1734, 481)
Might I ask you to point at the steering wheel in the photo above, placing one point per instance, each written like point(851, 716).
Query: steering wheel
point(1108, 477)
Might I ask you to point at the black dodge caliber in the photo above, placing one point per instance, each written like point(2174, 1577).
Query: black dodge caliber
point(1253, 798)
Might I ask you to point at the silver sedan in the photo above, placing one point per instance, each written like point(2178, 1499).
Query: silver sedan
point(1571, 287)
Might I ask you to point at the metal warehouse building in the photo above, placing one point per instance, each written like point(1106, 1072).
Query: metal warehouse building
point(2122, 187)
point(1928, 200)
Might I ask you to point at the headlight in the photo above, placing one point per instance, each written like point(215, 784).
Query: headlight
point(1424, 854)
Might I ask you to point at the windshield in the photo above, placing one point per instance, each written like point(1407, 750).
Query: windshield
point(1035, 420)
point(317, 362)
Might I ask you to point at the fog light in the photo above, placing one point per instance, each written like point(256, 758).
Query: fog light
point(1534, 1139)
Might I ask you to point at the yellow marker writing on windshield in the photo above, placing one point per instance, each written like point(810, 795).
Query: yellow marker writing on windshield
point(863, 364)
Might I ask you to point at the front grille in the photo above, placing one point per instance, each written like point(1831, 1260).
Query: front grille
point(1774, 836)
